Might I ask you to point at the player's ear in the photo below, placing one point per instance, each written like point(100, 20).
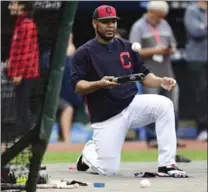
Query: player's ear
point(94, 23)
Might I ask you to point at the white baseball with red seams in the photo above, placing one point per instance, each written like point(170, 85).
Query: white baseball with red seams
point(136, 47)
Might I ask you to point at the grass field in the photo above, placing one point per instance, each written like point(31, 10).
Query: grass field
point(127, 156)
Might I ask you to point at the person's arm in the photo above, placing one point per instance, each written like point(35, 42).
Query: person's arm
point(193, 24)
point(149, 52)
point(152, 80)
point(79, 74)
point(86, 87)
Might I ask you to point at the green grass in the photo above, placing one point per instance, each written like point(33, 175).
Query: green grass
point(127, 156)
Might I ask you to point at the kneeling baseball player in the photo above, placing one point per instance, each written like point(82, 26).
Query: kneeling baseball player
point(115, 108)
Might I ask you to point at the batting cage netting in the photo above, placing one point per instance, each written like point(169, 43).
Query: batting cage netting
point(28, 50)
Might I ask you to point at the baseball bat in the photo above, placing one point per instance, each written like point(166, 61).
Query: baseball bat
point(9, 186)
point(138, 77)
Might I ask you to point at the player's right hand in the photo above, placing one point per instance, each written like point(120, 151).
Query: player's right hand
point(106, 82)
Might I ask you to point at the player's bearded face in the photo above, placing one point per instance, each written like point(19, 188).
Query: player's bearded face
point(106, 29)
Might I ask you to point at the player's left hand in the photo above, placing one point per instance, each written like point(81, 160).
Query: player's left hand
point(168, 83)
point(17, 80)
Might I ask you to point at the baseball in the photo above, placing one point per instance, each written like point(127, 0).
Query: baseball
point(136, 47)
point(145, 183)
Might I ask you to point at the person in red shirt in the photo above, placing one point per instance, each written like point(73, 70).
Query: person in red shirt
point(23, 64)
point(24, 52)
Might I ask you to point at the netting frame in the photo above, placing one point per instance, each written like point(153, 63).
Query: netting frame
point(38, 137)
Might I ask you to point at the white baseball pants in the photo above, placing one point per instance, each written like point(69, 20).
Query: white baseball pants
point(108, 136)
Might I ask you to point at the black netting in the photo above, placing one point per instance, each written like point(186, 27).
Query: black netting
point(26, 44)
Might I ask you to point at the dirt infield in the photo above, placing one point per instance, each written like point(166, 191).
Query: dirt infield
point(128, 146)
point(125, 180)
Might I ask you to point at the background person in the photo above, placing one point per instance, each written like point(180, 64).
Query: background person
point(195, 20)
point(158, 43)
point(23, 62)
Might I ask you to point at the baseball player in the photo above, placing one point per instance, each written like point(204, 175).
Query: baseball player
point(115, 108)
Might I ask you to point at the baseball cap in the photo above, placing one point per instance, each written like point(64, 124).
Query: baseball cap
point(105, 12)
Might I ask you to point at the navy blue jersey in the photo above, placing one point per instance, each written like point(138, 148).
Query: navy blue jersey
point(93, 61)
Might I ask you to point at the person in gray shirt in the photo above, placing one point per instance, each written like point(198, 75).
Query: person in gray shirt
point(195, 20)
point(157, 44)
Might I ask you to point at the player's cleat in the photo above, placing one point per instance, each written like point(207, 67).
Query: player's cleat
point(87, 161)
point(81, 166)
point(171, 171)
point(88, 157)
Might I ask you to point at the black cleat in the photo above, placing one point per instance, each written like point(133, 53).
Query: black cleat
point(80, 165)
point(171, 171)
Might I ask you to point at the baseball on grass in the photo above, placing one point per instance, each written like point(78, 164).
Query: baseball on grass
point(136, 47)
point(145, 183)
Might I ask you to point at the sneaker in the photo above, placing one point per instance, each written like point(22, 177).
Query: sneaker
point(88, 157)
point(171, 171)
point(81, 166)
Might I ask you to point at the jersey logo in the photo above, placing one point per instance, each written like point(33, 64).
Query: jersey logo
point(125, 60)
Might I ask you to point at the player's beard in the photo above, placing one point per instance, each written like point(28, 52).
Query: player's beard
point(103, 37)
